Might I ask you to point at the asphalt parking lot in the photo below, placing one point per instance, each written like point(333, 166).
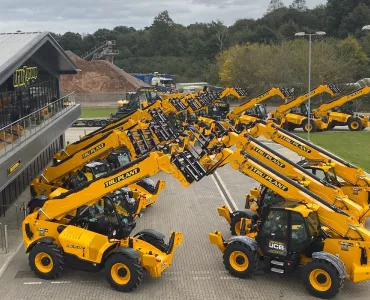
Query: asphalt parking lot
point(197, 271)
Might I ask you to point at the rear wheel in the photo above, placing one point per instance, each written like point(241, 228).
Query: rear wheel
point(355, 124)
point(123, 273)
point(309, 128)
point(103, 123)
point(240, 260)
point(46, 260)
point(90, 123)
point(235, 224)
point(322, 279)
point(158, 243)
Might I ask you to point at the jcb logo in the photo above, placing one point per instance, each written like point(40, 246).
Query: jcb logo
point(277, 246)
point(24, 75)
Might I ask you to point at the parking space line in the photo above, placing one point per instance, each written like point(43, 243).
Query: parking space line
point(32, 282)
point(60, 282)
point(229, 201)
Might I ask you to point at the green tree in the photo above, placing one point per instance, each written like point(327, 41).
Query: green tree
point(72, 41)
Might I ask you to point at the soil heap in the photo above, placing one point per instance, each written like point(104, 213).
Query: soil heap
point(98, 76)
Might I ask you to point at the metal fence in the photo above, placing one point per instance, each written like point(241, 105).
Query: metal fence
point(13, 135)
point(11, 218)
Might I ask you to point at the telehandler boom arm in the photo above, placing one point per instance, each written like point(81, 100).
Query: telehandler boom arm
point(238, 111)
point(282, 165)
point(322, 111)
point(182, 165)
point(283, 109)
point(354, 175)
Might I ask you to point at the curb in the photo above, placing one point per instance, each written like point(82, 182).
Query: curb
point(9, 259)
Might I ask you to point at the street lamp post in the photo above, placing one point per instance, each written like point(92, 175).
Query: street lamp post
point(309, 73)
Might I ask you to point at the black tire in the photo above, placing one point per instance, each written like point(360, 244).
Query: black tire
point(103, 123)
point(90, 123)
point(355, 124)
point(158, 243)
point(127, 266)
point(331, 125)
point(47, 256)
point(239, 252)
point(147, 184)
point(316, 272)
point(235, 224)
point(312, 125)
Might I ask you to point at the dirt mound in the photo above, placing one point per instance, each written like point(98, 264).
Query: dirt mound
point(98, 76)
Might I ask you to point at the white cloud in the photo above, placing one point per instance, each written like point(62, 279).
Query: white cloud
point(90, 15)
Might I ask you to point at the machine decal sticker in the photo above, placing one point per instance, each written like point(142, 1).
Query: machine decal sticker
point(121, 177)
point(92, 151)
point(268, 156)
point(42, 231)
point(277, 248)
point(14, 167)
point(269, 178)
point(344, 246)
point(294, 143)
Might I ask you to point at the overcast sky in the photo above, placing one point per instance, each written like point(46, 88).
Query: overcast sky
point(86, 16)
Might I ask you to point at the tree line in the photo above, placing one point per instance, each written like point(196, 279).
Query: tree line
point(249, 52)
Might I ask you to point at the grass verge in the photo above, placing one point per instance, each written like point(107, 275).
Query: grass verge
point(97, 112)
point(351, 146)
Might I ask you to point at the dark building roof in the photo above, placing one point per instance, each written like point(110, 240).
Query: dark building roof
point(16, 48)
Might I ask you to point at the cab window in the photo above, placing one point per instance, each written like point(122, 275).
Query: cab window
point(276, 224)
point(299, 234)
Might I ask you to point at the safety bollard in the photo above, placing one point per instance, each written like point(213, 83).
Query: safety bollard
point(6, 238)
point(1, 237)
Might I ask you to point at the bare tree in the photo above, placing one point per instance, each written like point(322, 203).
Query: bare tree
point(274, 5)
point(300, 5)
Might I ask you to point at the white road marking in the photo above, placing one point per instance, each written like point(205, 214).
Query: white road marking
point(60, 282)
point(226, 191)
point(32, 282)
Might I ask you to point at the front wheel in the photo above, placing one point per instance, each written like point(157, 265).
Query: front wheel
point(312, 127)
point(240, 260)
point(355, 124)
point(46, 261)
point(322, 279)
point(123, 273)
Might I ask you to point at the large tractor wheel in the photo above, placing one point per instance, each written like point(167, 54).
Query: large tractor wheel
point(311, 128)
point(355, 124)
point(46, 260)
point(123, 273)
point(322, 279)
point(240, 260)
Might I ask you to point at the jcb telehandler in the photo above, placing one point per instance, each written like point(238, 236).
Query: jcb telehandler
point(293, 227)
point(341, 111)
point(76, 228)
point(294, 114)
point(244, 114)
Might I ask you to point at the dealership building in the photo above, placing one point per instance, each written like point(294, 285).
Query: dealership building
point(33, 115)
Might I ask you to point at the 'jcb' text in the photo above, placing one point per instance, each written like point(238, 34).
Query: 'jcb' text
point(269, 179)
point(121, 177)
point(93, 150)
